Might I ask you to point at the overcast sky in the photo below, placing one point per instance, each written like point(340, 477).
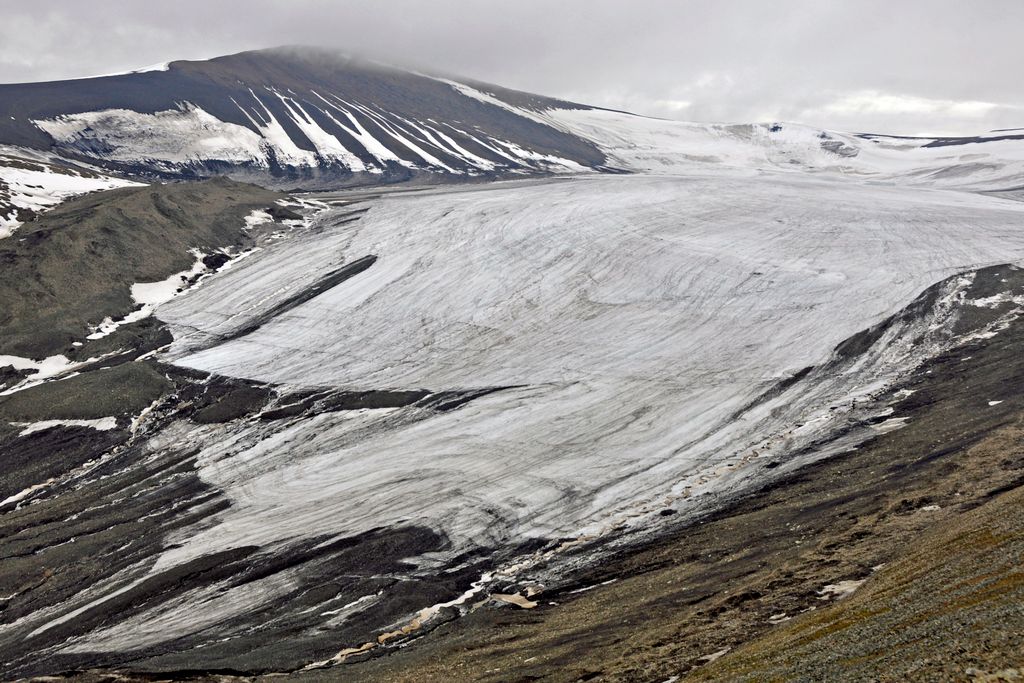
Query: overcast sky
point(897, 66)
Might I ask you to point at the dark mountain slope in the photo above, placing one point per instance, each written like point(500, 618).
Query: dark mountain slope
point(298, 115)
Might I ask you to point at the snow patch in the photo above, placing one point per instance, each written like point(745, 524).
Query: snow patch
point(257, 217)
point(149, 295)
point(514, 599)
point(43, 370)
point(590, 588)
point(156, 293)
point(25, 493)
point(716, 655)
point(38, 185)
point(103, 424)
point(840, 590)
point(417, 622)
point(48, 366)
point(890, 425)
point(159, 66)
point(996, 300)
point(488, 98)
point(167, 139)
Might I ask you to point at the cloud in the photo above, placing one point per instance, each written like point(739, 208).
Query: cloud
point(675, 106)
point(713, 80)
point(873, 102)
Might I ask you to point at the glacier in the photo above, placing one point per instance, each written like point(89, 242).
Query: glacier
point(630, 331)
point(631, 317)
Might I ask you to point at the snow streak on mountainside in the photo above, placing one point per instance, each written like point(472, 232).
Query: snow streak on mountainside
point(319, 120)
point(309, 117)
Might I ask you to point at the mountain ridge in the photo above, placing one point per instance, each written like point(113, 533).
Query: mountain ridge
point(312, 118)
point(274, 112)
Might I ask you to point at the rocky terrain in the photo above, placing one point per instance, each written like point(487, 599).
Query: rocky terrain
point(682, 401)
